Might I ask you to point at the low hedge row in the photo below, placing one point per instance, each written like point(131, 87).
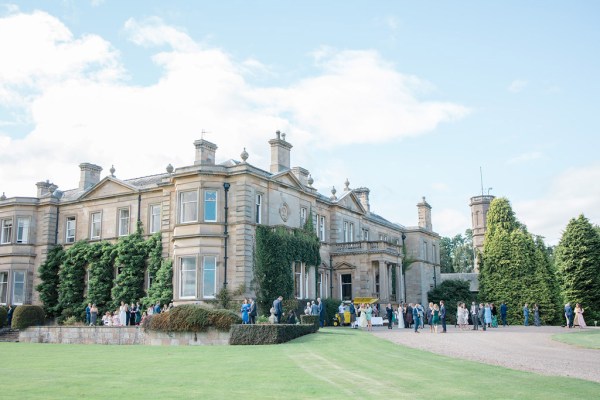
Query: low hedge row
point(3, 316)
point(267, 333)
point(27, 315)
point(310, 320)
point(192, 318)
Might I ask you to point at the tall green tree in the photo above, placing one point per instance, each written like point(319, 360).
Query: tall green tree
point(516, 269)
point(48, 273)
point(456, 254)
point(548, 296)
point(101, 258)
point(446, 264)
point(578, 263)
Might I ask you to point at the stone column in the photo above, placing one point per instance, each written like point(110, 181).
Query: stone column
point(311, 283)
point(383, 281)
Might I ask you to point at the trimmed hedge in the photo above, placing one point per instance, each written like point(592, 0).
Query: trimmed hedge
point(310, 320)
point(27, 315)
point(192, 318)
point(268, 333)
point(3, 316)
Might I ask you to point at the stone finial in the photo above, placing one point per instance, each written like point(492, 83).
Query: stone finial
point(310, 180)
point(333, 192)
point(170, 169)
point(112, 171)
point(244, 155)
point(283, 136)
point(278, 134)
point(3, 197)
point(347, 185)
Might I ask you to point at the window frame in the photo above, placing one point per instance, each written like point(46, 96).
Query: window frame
point(14, 285)
point(215, 201)
point(182, 207)
point(154, 218)
point(303, 216)
point(181, 275)
point(4, 288)
point(120, 221)
point(74, 237)
point(215, 280)
point(6, 238)
point(258, 208)
point(321, 228)
point(92, 214)
point(27, 234)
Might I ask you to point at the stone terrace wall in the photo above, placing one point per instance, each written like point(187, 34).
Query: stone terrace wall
point(119, 335)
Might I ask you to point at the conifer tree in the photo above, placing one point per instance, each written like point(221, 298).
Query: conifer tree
point(578, 264)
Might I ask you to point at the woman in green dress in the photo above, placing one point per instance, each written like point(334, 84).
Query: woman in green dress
point(435, 320)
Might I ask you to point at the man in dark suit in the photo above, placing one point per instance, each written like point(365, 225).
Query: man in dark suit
point(503, 311)
point(475, 315)
point(443, 315)
point(321, 312)
point(569, 314)
point(252, 313)
point(278, 308)
point(389, 314)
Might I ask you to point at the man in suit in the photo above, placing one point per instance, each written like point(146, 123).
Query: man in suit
point(481, 315)
point(278, 306)
point(409, 315)
point(252, 313)
point(416, 320)
point(526, 315)
point(503, 312)
point(475, 315)
point(389, 312)
point(569, 315)
point(443, 315)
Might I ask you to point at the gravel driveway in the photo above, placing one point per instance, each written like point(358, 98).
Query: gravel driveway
point(518, 347)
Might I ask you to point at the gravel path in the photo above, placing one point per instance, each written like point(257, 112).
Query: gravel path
point(517, 347)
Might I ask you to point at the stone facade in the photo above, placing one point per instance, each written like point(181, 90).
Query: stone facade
point(207, 214)
point(479, 209)
point(120, 336)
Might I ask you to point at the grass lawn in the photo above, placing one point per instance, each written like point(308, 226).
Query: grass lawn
point(332, 364)
point(589, 338)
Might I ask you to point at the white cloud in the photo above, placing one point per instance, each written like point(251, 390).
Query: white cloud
point(525, 157)
point(440, 186)
point(517, 86)
point(570, 194)
point(82, 111)
point(450, 222)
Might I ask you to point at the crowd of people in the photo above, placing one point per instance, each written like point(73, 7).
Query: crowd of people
point(131, 314)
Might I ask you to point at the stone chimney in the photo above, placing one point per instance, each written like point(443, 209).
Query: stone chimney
point(301, 174)
point(363, 195)
point(205, 152)
point(424, 215)
point(42, 188)
point(90, 175)
point(280, 153)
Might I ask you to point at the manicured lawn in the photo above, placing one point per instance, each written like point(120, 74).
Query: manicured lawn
point(589, 338)
point(332, 364)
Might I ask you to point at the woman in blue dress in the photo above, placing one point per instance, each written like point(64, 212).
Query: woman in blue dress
point(488, 315)
point(245, 310)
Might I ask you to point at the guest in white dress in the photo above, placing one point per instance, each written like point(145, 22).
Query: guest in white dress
point(400, 316)
point(123, 314)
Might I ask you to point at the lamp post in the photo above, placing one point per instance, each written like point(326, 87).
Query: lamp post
point(226, 187)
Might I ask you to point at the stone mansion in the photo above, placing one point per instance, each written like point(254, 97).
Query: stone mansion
point(207, 214)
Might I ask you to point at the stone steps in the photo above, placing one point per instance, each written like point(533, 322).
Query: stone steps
point(9, 335)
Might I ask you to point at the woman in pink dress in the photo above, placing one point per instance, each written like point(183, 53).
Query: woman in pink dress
point(579, 317)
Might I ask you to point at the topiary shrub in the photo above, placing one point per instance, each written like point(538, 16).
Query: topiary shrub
point(192, 318)
point(3, 316)
point(310, 320)
point(27, 315)
point(267, 334)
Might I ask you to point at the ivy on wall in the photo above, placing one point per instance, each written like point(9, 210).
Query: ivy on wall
point(276, 250)
point(48, 288)
point(72, 280)
point(161, 273)
point(101, 259)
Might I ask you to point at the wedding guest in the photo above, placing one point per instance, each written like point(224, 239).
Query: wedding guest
point(536, 315)
point(93, 314)
point(579, 321)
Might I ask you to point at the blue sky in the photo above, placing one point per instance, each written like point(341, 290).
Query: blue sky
point(407, 98)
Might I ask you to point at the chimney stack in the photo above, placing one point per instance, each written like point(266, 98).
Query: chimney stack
point(90, 175)
point(205, 152)
point(280, 153)
point(424, 215)
point(301, 174)
point(42, 188)
point(363, 195)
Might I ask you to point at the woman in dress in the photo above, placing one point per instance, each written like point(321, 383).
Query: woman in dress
point(494, 315)
point(464, 317)
point(363, 316)
point(579, 316)
point(487, 314)
point(123, 314)
point(400, 316)
point(245, 309)
point(138, 314)
point(435, 318)
point(536, 315)
point(369, 315)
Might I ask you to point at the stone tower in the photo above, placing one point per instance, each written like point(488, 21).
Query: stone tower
point(424, 215)
point(479, 209)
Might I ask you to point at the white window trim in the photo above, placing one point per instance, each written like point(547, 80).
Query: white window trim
point(6, 288)
point(303, 216)
point(152, 215)
point(74, 219)
point(302, 283)
point(321, 228)
point(258, 201)
point(28, 234)
point(216, 201)
point(120, 221)
point(204, 296)
point(13, 302)
point(3, 238)
point(180, 277)
point(92, 225)
point(181, 209)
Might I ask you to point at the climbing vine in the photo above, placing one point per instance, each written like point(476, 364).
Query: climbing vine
point(101, 258)
point(48, 288)
point(160, 272)
point(72, 280)
point(276, 250)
